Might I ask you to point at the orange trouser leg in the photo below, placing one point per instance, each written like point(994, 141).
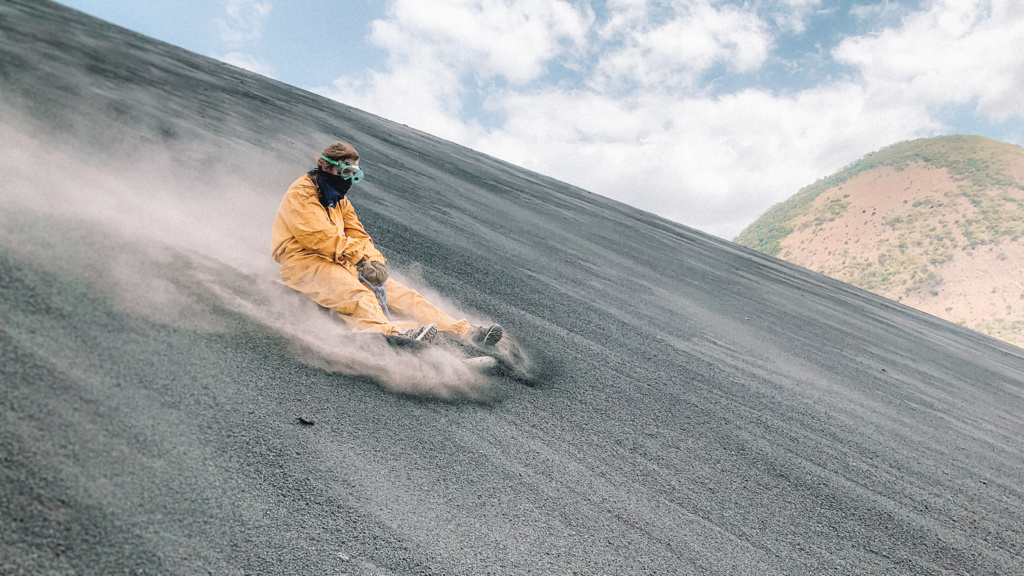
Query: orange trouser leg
point(336, 287)
point(408, 302)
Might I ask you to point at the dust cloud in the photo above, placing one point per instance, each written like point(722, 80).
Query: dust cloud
point(181, 248)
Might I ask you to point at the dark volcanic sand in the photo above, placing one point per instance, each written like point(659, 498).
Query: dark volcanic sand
point(698, 408)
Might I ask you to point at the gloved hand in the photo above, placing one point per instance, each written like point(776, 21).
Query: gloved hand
point(376, 273)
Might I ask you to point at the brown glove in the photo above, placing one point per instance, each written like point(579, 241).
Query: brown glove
point(376, 273)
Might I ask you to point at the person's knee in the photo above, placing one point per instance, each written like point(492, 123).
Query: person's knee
point(368, 304)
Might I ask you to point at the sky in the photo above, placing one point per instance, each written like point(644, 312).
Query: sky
point(706, 112)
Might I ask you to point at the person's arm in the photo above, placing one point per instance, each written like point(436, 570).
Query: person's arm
point(314, 230)
point(354, 230)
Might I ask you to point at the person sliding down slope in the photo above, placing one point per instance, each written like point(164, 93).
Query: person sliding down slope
point(326, 254)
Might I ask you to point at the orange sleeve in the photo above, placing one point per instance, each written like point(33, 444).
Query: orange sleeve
point(354, 230)
point(312, 226)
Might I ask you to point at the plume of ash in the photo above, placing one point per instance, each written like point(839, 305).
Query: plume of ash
point(174, 247)
point(320, 339)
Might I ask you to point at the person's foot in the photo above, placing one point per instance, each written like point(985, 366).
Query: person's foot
point(488, 336)
point(424, 334)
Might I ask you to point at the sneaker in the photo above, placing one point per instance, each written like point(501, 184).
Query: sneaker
point(424, 334)
point(486, 336)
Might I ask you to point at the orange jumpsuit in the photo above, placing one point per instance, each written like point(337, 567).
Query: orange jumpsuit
point(318, 248)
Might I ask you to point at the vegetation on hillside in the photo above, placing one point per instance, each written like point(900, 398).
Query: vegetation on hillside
point(904, 253)
point(977, 164)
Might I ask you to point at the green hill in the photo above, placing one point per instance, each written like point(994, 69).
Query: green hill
point(977, 163)
point(935, 223)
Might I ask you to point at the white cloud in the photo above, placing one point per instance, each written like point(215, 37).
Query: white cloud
point(791, 15)
point(423, 94)
point(244, 21)
point(248, 62)
point(511, 39)
point(956, 52)
point(639, 124)
point(716, 163)
point(433, 50)
point(878, 11)
point(674, 53)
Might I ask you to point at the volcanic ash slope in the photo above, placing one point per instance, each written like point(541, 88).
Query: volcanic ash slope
point(166, 407)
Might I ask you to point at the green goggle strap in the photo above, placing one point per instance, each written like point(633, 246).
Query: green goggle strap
point(355, 177)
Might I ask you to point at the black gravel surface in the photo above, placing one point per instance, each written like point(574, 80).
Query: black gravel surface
point(693, 407)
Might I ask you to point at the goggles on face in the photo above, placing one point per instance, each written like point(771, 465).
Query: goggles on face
point(346, 169)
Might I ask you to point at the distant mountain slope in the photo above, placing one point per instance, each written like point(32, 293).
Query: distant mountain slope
point(934, 223)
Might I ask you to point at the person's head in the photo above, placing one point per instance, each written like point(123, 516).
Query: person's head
point(336, 156)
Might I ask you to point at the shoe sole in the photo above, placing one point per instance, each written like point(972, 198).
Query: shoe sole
point(493, 336)
point(428, 334)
